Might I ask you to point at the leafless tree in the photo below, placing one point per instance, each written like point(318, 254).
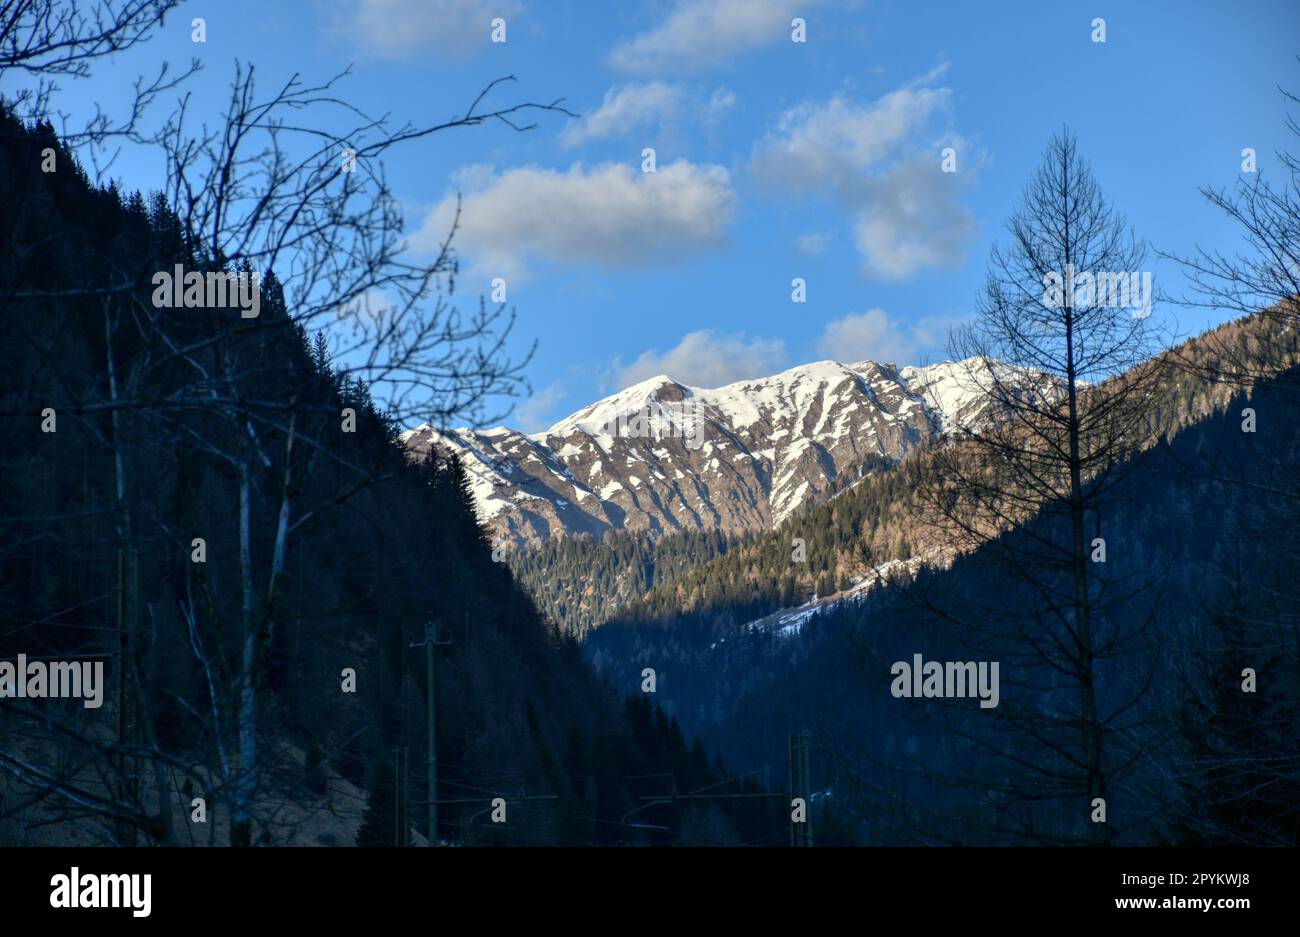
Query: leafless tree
point(290, 188)
point(43, 41)
point(1261, 280)
point(272, 191)
point(1235, 778)
point(1026, 491)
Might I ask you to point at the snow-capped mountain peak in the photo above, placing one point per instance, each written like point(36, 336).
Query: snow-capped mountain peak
point(661, 455)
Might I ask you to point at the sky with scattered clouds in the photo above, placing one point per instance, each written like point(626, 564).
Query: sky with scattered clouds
point(774, 159)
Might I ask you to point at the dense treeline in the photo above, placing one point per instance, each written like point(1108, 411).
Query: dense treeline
point(1203, 535)
point(1100, 646)
point(878, 519)
point(204, 503)
point(581, 581)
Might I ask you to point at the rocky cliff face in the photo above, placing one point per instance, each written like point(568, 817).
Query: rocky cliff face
point(661, 456)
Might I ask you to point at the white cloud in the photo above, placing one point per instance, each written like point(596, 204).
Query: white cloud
point(626, 109)
point(402, 28)
point(705, 359)
point(722, 101)
point(610, 215)
point(880, 160)
point(862, 336)
point(373, 303)
point(872, 336)
point(698, 33)
point(537, 412)
point(816, 143)
point(651, 104)
point(932, 332)
point(911, 218)
point(813, 242)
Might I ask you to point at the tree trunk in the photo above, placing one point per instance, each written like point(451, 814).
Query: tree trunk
point(245, 778)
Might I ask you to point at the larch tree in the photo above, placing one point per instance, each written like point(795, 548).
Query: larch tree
point(1061, 350)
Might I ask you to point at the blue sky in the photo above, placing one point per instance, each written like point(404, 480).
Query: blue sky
point(775, 159)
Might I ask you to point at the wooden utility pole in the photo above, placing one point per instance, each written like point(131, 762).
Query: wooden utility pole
point(805, 739)
point(429, 643)
point(789, 773)
point(401, 818)
point(798, 744)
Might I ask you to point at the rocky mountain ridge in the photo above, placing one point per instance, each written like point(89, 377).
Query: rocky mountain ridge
point(662, 456)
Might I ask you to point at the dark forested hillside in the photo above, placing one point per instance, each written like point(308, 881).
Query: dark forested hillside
point(581, 581)
point(876, 521)
point(204, 503)
point(1201, 556)
point(457, 451)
